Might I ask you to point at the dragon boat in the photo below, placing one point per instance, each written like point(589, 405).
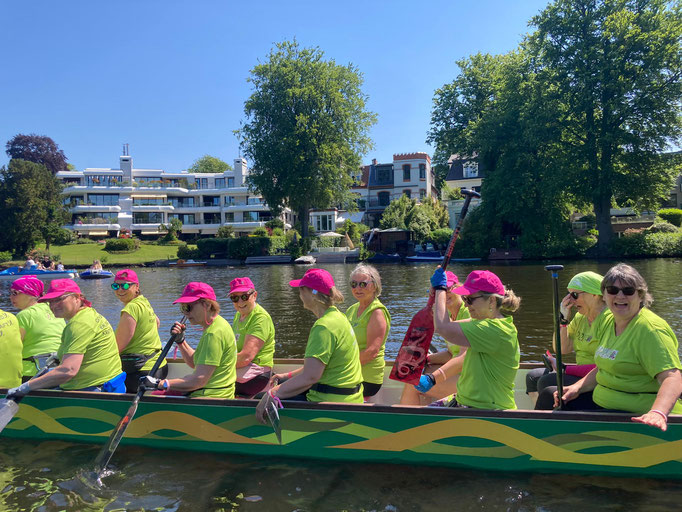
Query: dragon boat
point(519, 440)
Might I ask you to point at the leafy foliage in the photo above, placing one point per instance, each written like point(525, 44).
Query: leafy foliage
point(260, 232)
point(275, 223)
point(644, 245)
point(209, 164)
point(353, 230)
point(38, 149)
point(225, 232)
point(5, 256)
point(672, 215)
point(421, 218)
point(121, 245)
point(240, 248)
point(186, 252)
point(172, 229)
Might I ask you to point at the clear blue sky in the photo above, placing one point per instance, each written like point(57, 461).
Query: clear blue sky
point(169, 77)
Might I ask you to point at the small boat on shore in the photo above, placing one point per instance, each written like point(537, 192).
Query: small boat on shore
point(187, 263)
point(16, 272)
point(425, 256)
point(381, 432)
point(96, 274)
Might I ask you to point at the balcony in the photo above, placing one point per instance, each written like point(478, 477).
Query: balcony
point(89, 207)
point(153, 208)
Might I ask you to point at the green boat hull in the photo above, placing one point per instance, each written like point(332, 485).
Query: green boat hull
point(558, 442)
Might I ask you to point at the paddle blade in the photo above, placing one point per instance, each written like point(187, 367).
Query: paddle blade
point(273, 418)
point(8, 408)
point(411, 357)
point(107, 451)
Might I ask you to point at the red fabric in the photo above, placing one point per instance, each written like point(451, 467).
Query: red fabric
point(579, 370)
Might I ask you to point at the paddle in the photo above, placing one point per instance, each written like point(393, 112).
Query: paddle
point(267, 403)
point(109, 448)
point(554, 269)
point(411, 358)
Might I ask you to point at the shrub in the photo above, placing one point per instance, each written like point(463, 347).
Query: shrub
point(5, 256)
point(277, 232)
point(121, 245)
point(63, 237)
point(662, 227)
point(188, 253)
point(672, 215)
point(329, 241)
point(275, 223)
point(225, 232)
point(260, 232)
point(646, 244)
point(441, 236)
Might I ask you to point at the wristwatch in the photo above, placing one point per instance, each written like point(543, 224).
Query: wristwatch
point(164, 385)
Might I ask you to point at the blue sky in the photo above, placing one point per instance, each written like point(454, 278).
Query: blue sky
point(169, 77)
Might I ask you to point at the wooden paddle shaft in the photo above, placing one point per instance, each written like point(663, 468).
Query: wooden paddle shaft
point(455, 234)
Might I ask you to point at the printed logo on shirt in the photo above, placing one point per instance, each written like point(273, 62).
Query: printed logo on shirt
point(606, 353)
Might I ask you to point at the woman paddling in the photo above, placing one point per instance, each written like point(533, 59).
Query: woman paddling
point(41, 331)
point(255, 338)
point(10, 351)
point(492, 357)
point(331, 371)
point(137, 334)
point(216, 353)
point(88, 353)
point(456, 311)
point(371, 323)
point(638, 365)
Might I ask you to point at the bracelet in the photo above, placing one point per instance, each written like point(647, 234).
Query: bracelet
point(445, 377)
point(660, 413)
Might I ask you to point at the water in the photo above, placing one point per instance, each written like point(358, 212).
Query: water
point(42, 477)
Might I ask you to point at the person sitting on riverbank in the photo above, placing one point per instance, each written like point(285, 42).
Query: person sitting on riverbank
point(41, 331)
point(577, 334)
point(255, 338)
point(137, 334)
point(216, 353)
point(88, 354)
point(371, 323)
point(60, 266)
point(10, 351)
point(331, 370)
point(638, 365)
point(96, 265)
point(456, 311)
point(492, 357)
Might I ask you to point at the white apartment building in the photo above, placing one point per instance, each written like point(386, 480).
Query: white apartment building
point(104, 201)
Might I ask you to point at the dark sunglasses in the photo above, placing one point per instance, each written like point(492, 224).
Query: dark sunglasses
point(628, 291)
point(575, 295)
point(187, 306)
point(468, 300)
point(14, 293)
point(243, 296)
point(125, 286)
point(361, 284)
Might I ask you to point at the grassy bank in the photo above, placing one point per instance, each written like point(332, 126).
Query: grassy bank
point(83, 254)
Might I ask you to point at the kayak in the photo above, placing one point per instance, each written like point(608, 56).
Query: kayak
point(96, 274)
point(16, 272)
point(517, 440)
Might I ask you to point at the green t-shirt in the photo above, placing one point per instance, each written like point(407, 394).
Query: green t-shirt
point(90, 334)
point(258, 324)
point(490, 364)
point(373, 371)
point(145, 339)
point(628, 364)
point(332, 341)
point(217, 347)
point(43, 333)
point(462, 314)
point(10, 351)
point(585, 341)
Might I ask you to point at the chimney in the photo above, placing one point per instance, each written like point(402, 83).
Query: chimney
point(240, 172)
point(126, 164)
point(374, 161)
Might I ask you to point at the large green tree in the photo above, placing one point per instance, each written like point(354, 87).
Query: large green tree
point(306, 130)
point(209, 164)
point(30, 206)
point(38, 149)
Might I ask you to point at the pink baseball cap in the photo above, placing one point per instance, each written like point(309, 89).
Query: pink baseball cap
point(317, 279)
point(127, 275)
point(195, 291)
point(29, 285)
point(59, 287)
point(480, 281)
point(452, 279)
point(241, 284)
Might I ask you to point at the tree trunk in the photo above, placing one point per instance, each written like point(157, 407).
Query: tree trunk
point(303, 216)
point(47, 244)
point(602, 211)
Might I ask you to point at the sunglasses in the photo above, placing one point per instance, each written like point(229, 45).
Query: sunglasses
point(187, 306)
point(14, 293)
point(627, 291)
point(468, 300)
point(125, 286)
point(59, 299)
point(575, 295)
point(243, 296)
point(361, 284)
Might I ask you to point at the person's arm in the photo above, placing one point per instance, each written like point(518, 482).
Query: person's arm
point(307, 376)
point(668, 394)
point(125, 330)
point(22, 331)
point(252, 345)
point(441, 357)
point(448, 329)
point(451, 368)
point(186, 351)
point(288, 375)
point(376, 331)
point(587, 383)
point(196, 380)
point(66, 371)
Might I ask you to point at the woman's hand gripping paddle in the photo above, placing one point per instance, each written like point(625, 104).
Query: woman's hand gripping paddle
point(107, 451)
point(411, 359)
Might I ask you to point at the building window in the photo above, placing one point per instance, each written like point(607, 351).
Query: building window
point(229, 200)
point(211, 218)
point(422, 171)
point(103, 199)
point(103, 180)
point(323, 223)
point(407, 193)
point(95, 218)
point(147, 218)
point(384, 175)
point(230, 182)
point(422, 193)
point(148, 201)
point(384, 198)
point(406, 172)
point(211, 201)
point(471, 170)
point(229, 217)
point(73, 201)
point(201, 182)
point(250, 216)
point(185, 218)
point(254, 200)
point(220, 183)
point(181, 202)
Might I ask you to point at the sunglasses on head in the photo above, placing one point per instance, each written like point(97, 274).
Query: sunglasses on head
point(469, 300)
point(361, 284)
point(125, 286)
point(628, 290)
point(243, 296)
point(575, 295)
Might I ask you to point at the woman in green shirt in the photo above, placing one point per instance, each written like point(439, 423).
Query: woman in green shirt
point(371, 323)
point(455, 353)
point(137, 334)
point(41, 331)
point(10, 351)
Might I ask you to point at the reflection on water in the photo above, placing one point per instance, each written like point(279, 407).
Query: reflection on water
point(43, 477)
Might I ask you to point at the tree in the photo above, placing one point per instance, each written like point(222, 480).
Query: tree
point(209, 164)
point(172, 229)
point(306, 130)
point(396, 213)
point(421, 218)
point(38, 149)
point(30, 206)
point(225, 232)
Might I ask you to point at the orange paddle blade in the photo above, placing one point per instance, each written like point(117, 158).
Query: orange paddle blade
point(411, 358)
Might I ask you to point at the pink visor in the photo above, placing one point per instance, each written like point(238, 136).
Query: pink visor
point(59, 287)
point(28, 285)
point(316, 279)
point(195, 291)
point(241, 284)
point(481, 281)
point(127, 275)
point(452, 279)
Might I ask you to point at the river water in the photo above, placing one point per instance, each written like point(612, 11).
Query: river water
point(41, 476)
